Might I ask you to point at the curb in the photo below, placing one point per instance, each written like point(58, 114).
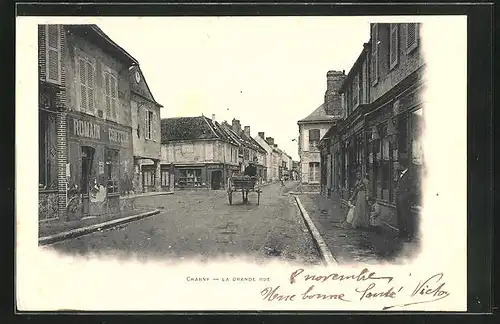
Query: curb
point(326, 255)
point(162, 193)
point(93, 228)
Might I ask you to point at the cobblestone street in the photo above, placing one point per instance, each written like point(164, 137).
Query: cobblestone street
point(202, 223)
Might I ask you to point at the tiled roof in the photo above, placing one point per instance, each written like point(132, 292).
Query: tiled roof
point(241, 138)
point(189, 128)
point(319, 114)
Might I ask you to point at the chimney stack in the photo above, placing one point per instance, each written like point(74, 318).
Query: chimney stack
point(236, 126)
point(247, 131)
point(270, 141)
point(333, 102)
point(213, 117)
point(261, 135)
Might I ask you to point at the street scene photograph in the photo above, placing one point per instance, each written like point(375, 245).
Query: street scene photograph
point(224, 137)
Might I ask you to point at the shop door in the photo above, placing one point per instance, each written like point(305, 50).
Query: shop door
point(216, 179)
point(148, 178)
point(87, 159)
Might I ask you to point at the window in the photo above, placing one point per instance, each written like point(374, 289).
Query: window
point(394, 45)
point(110, 94)
point(375, 55)
point(149, 124)
point(314, 172)
point(86, 95)
point(148, 178)
point(165, 178)
point(47, 150)
point(53, 53)
point(246, 154)
point(314, 137)
point(412, 37)
point(355, 91)
point(190, 178)
point(360, 86)
point(112, 170)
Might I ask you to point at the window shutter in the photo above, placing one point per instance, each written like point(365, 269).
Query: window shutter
point(375, 62)
point(393, 55)
point(90, 87)
point(411, 35)
point(83, 86)
point(53, 52)
point(106, 95)
point(146, 134)
point(113, 97)
point(154, 126)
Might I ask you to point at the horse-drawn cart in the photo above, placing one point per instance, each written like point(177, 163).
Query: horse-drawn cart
point(245, 184)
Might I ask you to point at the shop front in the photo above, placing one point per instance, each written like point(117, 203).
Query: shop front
point(394, 143)
point(215, 176)
point(100, 167)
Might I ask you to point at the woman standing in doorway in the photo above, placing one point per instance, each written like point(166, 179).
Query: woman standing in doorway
point(361, 194)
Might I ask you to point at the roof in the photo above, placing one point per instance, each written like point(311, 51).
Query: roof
point(92, 31)
point(189, 129)
point(242, 139)
point(318, 115)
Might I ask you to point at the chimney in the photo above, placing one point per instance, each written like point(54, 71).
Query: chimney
point(247, 131)
point(270, 141)
point(213, 117)
point(333, 102)
point(236, 126)
point(261, 135)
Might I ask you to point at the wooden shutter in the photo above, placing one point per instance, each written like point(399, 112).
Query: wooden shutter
point(374, 53)
point(106, 95)
point(53, 54)
point(393, 52)
point(90, 87)
point(154, 126)
point(411, 35)
point(114, 104)
point(146, 129)
point(83, 84)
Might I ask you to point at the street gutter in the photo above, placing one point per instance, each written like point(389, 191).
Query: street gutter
point(326, 255)
point(93, 228)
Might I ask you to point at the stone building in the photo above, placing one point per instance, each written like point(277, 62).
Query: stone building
point(383, 121)
point(314, 127)
point(248, 148)
point(146, 137)
point(260, 139)
point(198, 152)
point(86, 151)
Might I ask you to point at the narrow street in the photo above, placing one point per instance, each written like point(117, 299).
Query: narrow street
point(203, 224)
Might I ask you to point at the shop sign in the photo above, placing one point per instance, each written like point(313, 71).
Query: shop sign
point(102, 133)
point(214, 166)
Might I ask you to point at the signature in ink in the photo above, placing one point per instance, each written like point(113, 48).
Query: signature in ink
point(433, 287)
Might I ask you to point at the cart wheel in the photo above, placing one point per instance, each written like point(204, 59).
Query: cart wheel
point(258, 197)
point(230, 196)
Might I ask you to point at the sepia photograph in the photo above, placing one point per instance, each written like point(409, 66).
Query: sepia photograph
point(262, 150)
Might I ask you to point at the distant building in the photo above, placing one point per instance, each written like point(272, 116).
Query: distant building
point(260, 138)
point(198, 152)
point(314, 127)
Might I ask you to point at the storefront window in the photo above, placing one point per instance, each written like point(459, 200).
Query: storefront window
point(165, 178)
point(48, 154)
point(112, 166)
point(148, 177)
point(190, 178)
point(385, 164)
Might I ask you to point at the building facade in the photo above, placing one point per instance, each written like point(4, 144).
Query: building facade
point(383, 122)
point(197, 152)
point(314, 127)
point(146, 137)
point(248, 149)
point(85, 122)
point(260, 139)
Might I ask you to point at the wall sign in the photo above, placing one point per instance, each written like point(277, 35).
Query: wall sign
point(97, 131)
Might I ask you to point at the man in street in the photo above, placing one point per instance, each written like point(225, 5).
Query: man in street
point(406, 196)
point(250, 169)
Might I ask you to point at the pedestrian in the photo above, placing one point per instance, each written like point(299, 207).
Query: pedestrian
point(360, 197)
point(406, 196)
point(282, 181)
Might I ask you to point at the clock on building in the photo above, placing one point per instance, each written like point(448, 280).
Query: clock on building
point(137, 76)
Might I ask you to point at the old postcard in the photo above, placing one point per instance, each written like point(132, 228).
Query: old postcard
point(241, 163)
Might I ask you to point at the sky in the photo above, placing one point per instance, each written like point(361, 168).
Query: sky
point(268, 72)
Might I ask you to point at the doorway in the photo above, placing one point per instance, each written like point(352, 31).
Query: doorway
point(216, 179)
point(87, 160)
